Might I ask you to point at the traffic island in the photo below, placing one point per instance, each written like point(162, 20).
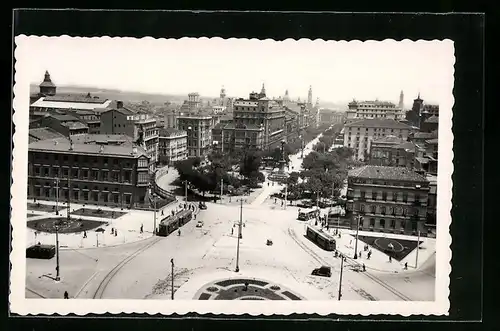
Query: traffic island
point(103, 213)
point(43, 208)
point(63, 225)
point(397, 249)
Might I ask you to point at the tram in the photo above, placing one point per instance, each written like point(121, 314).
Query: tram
point(173, 222)
point(322, 239)
point(307, 214)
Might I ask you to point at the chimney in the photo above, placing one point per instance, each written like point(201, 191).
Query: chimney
point(134, 150)
point(119, 104)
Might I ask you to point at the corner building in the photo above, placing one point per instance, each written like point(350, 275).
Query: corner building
point(88, 173)
point(390, 199)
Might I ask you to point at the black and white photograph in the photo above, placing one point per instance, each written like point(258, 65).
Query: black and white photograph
point(208, 174)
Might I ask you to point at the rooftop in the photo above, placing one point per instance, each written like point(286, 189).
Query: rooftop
point(386, 173)
point(167, 132)
point(432, 119)
point(425, 135)
point(116, 139)
point(407, 146)
point(75, 125)
point(68, 104)
point(44, 134)
point(390, 139)
point(63, 145)
point(378, 123)
point(64, 117)
point(232, 126)
point(432, 141)
point(76, 98)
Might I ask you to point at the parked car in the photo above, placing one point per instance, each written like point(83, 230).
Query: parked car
point(199, 224)
point(322, 271)
point(305, 204)
point(41, 252)
point(202, 205)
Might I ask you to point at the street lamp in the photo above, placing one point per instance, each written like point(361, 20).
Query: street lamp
point(186, 190)
point(172, 276)
point(57, 196)
point(341, 270)
point(357, 231)
point(239, 237)
point(56, 226)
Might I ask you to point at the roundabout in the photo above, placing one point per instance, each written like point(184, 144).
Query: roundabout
point(245, 289)
point(63, 225)
point(388, 245)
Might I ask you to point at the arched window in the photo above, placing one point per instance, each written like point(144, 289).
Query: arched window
point(382, 210)
point(372, 222)
point(382, 223)
point(362, 208)
point(372, 209)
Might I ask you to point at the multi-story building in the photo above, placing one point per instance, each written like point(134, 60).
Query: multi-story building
point(395, 152)
point(172, 145)
point(389, 199)
point(230, 137)
point(421, 112)
point(359, 135)
point(258, 110)
point(69, 103)
point(67, 125)
point(199, 132)
point(44, 133)
point(430, 124)
point(88, 173)
point(138, 125)
point(373, 110)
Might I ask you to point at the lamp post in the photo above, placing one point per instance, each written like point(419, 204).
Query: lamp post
point(186, 190)
point(56, 226)
point(57, 196)
point(239, 236)
point(154, 219)
point(418, 248)
point(356, 246)
point(286, 193)
point(221, 189)
point(172, 276)
point(341, 270)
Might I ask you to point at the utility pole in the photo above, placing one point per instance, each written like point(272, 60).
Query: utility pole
point(97, 239)
point(221, 188)
point(341, 270)
point(57, 196)
point(239, 236)
point(186, 190)
point(172, 272)
point(154, 220)
point(418, 248)
point(57, 253)
point(356, 246)
point(69, 195)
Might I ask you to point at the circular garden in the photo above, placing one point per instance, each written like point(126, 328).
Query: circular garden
point(63, 225)
point(245, 289)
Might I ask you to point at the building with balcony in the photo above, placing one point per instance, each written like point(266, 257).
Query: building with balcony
point(88, 172)
point(395, 152)
point(199, 132)
point(228, 138)
point(358, 110)
point(389, 199)
point(138, 125)
point(359, 135)
point(172, 145)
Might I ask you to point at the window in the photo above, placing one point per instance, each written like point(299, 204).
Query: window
point(394, 196)
point(382, 223)
point(105, 176)
point(405, 197)
point(85, 195)
point(74, 173)
point(372, 209)
point(143, 178)
point(95, 196)
point(374, 195)
point(384, 196)
point(372, 222)
point(362, 208)
point(127, 176)
point(393, 224)
point(382, 210)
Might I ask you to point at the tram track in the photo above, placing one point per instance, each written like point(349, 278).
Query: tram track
point(35, 293)
point(112, 273)
point(351, 262)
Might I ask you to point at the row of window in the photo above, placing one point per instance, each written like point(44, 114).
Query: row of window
point(373, 196)
point(84, 195)
point(395, 211)
point(101, 175)
point(80, 159)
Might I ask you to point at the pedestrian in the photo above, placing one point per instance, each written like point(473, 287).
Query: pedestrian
point(281, 203)
point(390, 259)
point(84, 234)
point(364, 267)
point(267, 183)
point(179, 232)
point(162, 212)
point(275, 200)
point(359, 254)
point(173, 213)
point(406, 265)
point(116, 232)
point(369, 254)
point(350, 242)
point(66, 295)
point(112, 230)
point(194, 216)
point(232, 230)
point(142, 228)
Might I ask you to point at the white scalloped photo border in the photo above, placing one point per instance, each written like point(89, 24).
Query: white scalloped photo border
point(20, 305)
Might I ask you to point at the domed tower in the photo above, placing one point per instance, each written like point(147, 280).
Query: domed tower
point(47, 87)
point(263, 91)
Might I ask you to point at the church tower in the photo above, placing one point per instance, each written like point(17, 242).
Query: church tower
point(401, 100)
point(47, 88)
point(317, 103)
point(310, 97)
point(222, 95)
point(263, 91)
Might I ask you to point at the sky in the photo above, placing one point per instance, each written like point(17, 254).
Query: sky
point(337, 71)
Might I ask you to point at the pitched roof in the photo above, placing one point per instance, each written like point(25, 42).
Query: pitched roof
point(387, 173)
point(44, 134)
point(425, 135)
point(389, 139)
point(167, 132)
point(432, 141)
point(62, 145)
point(407, 146)
point(75, 125)
point(232, 126)
point(378, 123)
point(64, 117)
point(76, 98)
point(116, 139)
point(44, 103)
point(432, 119)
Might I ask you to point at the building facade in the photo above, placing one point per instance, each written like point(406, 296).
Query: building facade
point(395, 152)
point(140, 126)
point(172, 145)
point(358, 110)
point(230, 137)
point(67, 125)
point(88, 173)
point(199, 133)
point(388, 199)
point(359, 135)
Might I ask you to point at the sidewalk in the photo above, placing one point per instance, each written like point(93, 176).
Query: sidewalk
point(127, 227)
point(379, 262)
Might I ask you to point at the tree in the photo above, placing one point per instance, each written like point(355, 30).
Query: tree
point(250, 164)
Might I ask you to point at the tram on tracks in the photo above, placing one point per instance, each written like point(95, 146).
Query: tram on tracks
point(173, 222)
point(320, 238)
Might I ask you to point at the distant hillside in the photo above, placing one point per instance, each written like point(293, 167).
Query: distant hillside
point(116, 94)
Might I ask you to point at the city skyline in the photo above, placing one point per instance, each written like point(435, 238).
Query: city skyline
point(337, 71)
